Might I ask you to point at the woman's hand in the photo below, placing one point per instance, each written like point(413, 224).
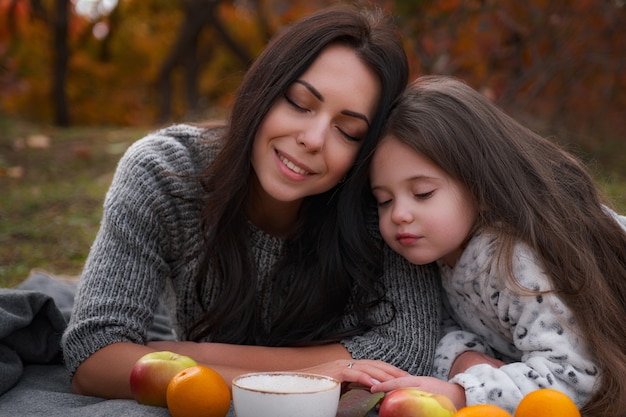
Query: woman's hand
point(455, 392)
point(365, 372)
point(331, 360)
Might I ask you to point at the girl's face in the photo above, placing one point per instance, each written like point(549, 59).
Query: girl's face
point(424, 214)
point(310, 137)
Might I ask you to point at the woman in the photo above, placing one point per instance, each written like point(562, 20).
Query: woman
point(254, 233)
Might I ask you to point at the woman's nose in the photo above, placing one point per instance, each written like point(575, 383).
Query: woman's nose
point(313, 136)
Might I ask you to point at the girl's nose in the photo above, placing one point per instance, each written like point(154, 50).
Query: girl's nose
point(401, 214)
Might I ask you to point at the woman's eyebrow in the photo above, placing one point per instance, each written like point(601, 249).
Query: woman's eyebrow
point(320, 97)
point(312, 89)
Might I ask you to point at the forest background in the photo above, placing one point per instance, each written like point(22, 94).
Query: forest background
point(80, 80)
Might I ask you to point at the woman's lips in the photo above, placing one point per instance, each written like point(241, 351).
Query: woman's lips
point(291, 167)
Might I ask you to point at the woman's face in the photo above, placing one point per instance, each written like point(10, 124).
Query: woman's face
point(310, 137)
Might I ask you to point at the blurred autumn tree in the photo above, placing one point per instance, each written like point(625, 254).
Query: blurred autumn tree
point(562, 62)
point(145, 61)
point(150, 61)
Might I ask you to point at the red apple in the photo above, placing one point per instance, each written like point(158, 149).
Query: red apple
point(151, 374)
point(412, 402)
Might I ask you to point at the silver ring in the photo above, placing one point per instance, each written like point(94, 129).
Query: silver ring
point(350, 364)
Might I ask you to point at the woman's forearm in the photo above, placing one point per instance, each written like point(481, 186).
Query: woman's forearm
point(256, 358)
point(106, 373)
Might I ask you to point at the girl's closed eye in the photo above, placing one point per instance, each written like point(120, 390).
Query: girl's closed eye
point(383, 198)
point(425, 196)
point(383, 203)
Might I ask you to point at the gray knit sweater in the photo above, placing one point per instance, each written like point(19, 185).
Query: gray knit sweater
point(142, 255)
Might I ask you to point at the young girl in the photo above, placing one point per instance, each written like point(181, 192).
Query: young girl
point(249, 234)
point(533, 262)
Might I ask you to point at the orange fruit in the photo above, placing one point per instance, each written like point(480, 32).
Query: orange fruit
point(198, 391)
point(546, 402)
point(482, 410)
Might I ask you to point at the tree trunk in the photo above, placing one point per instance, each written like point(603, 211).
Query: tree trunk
point(198, 14)
point(183, 50)
point(61, 57)
point(192, 73)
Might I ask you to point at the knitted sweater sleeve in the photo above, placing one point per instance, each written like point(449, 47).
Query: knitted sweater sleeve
point(129, 261)
point(408, 341)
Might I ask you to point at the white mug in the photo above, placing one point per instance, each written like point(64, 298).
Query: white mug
point(285, 394)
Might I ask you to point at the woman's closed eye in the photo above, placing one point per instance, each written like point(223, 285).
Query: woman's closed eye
point(295, 105)
point(348, 136)
point(344, 124)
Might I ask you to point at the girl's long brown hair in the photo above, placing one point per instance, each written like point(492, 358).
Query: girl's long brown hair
point(529, 189)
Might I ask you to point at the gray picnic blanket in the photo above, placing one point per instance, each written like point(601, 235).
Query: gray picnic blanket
point(33, 379)
point(30, 330)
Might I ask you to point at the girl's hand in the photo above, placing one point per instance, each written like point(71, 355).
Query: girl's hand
point(365, 372)
point(455, 392)
point(468, 359)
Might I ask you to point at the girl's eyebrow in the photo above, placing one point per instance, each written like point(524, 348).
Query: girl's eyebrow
point(424, 178)
point(320, 97)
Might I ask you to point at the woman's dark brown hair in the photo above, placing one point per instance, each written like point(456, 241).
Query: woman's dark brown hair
point(330, 261)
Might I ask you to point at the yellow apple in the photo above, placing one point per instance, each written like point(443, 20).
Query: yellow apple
point(412, 402)
point(151, 374)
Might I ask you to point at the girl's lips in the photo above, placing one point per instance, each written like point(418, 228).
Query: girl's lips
point(406, 239)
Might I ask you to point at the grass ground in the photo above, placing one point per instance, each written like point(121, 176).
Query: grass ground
point(52, 185)
point(53, 182)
